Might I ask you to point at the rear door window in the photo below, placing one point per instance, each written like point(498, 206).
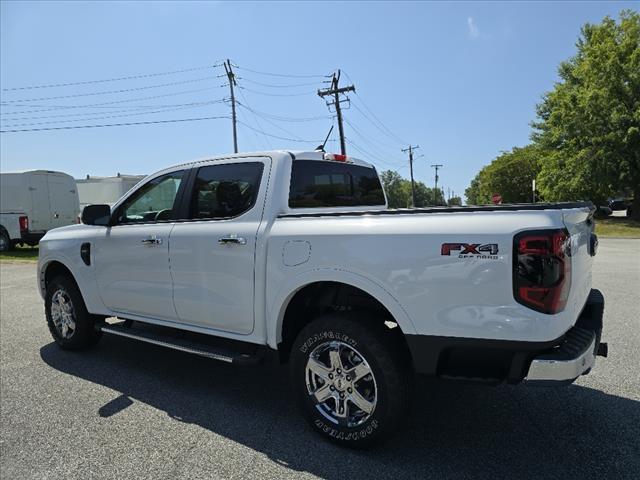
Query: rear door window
point(330, 184)
point(225, 191)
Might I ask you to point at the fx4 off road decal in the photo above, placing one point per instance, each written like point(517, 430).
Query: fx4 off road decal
point(470, 250)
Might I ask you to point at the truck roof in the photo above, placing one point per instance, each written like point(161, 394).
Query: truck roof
point(295, 155)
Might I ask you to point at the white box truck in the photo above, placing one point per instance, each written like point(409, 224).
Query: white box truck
point(105, 190)
point(33, 202)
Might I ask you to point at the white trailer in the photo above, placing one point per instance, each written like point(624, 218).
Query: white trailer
point(33, 202)
point(104, 190)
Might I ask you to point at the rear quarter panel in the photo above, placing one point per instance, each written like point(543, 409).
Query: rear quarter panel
point(400, 255)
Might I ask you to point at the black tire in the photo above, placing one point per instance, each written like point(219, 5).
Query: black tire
point(384, 354)
point(5, 241)
point(84, 333)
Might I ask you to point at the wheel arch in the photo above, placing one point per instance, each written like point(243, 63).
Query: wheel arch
point(51, 266)
point(313, 291)
point(53, 269)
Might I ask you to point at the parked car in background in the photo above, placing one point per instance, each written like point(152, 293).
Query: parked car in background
point(33, 202)
point(605, 210)
point(617, 204)
point(104, 190)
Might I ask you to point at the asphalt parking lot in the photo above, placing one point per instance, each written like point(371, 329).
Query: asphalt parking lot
point(131, 410)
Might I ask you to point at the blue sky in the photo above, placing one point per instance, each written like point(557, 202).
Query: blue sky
point(459, 79)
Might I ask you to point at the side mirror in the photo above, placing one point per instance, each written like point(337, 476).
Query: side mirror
point(96, 215)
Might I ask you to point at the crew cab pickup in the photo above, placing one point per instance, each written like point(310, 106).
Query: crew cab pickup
point(296, 257)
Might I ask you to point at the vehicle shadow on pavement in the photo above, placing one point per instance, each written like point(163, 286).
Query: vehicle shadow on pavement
point(455, 430)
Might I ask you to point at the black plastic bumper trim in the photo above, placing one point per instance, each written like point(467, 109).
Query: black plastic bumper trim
point(429, 351)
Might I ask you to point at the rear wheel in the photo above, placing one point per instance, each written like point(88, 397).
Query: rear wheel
point(5, 241)
point(352, 378)
point(70, 324)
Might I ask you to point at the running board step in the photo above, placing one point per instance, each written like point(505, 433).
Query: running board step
point(184, 342)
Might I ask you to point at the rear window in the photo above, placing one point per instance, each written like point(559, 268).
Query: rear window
point(331, 184)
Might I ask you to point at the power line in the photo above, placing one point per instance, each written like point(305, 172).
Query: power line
point(285, 75)
point(137, 108)
point(278, 137)
point(375, 124)
point(131, 77)
point(386, 129)
point(281, 118)
point(276, 94)
point(257, 130)
point(173, 94)
point(390, 133)
point(125, 90)
point(257, 123)
point(271, 85)
point(370, 154)
point(288, 132)
point(97, 118)
point(375, 143)
point(114, 124)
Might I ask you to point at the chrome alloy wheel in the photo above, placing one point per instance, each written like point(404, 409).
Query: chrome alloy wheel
point(62, 314)
point(341, 383)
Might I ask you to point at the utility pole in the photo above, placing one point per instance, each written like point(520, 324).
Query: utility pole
point(335, 91)
point(435, 190)
point(413, 184)
point(232, 83)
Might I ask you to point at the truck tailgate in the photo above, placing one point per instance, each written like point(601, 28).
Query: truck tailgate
point(580, 225)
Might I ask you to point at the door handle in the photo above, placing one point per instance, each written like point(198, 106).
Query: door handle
point(232, 239)
point(151, 241)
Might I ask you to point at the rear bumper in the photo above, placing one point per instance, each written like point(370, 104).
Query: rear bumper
point(32, 238)
point(558, 361)
point(556, 367)
point(576, 355)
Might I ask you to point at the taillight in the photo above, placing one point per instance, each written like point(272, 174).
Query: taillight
point(336, 157)
point(542, 269)
point(24, 223)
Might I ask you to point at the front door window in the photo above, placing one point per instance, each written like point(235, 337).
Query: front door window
point(153, 202)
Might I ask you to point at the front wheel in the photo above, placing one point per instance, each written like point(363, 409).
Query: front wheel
point(352, 378)
point(70, 324)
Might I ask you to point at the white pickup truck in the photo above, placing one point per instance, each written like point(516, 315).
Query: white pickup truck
point(296, 255)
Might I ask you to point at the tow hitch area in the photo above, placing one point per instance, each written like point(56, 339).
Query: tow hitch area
point(603, 350)
point(577, 353)
point(573, 358)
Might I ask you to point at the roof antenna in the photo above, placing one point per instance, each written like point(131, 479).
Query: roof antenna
point(321, 147)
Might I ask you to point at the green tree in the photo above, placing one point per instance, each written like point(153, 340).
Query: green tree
point(590, 122)
point(472, 193)
point(510, 174)
point(454, 201)
point(395, 188)
point(398, 191)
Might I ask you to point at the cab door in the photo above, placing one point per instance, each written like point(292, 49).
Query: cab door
point(132, 255)
point(212, 254)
